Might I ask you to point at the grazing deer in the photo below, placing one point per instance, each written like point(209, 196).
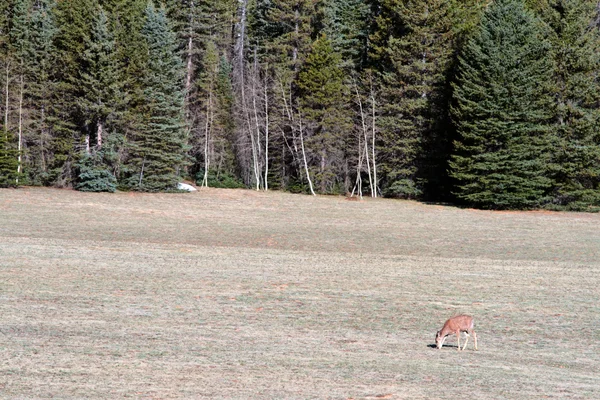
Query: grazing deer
point(456, 325)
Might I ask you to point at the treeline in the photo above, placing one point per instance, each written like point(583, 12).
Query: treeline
point(492, 104)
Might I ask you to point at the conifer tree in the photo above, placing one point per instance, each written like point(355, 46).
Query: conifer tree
point(324, 110)
point(99, 80)
point(74, 19)
point(8, 162)
point(18, 35)
point(415, 61)
point(158, 153)
point(502, 111)
point(99, 103)
point(575, 164)
point(346, 24)
point(41, 89)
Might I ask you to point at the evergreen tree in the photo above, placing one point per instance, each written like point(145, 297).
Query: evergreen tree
point(17, 50)
point(99, 80)
point(575, 165)
point(93, 175)
point(324, 111)
point(75, 19)
point(41, 89)
point(416, 60)
point(346, 24)
point(280, 38)
point(158, 151)
point(502, 111)
point(8, 162)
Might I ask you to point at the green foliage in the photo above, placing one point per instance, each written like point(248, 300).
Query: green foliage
point(99, 79)
point(575, 163)
point(346, 24)
point(158, 150)
point(41, 88)
point(224, 180)
point(416, 59)
point(502, 111)
point(8, 162)
point(93, 175)
point(324, 110)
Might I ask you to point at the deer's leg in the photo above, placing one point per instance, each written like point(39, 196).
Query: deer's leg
point(466, 340)
point(475, 339)
point(458, 339)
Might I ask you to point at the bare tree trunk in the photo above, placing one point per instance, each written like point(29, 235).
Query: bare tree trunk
point(373, 145)
point(290, 115)
point(207, 137)
point(358, 183)
point(43, 138)
point(87, 144)
point(310, 185)
point(366, 149)
point(6, 99)
point(256, 122)
point(20, 143)
point(266, 132)
point(190, 47)
point(100, 129)
point(142, 172)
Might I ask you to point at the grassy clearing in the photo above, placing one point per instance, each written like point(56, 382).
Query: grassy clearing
point(237, 294)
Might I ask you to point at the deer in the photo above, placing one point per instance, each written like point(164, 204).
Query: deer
point(456, 325)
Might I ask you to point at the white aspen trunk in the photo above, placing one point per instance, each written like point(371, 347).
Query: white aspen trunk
point(100, 129)
point(190, 48)
point(358, 183)
point(290, 116)
point(373, 145)
point(310, 185)
point(42, 138)
point(252, 141)
point(266, 133)
point(256, 124)
point(206, 138)
point(6, 100)
point(142, 172)
point(366, 149)
point(424, 60)
point(20, 139)
point(87, 144)
point(188, 69)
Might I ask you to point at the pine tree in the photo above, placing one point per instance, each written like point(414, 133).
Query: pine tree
point(416, 60)
point(74, 19)
point(159, 148)
point(575, 165)
point(99, 103)
point(41, 89)
point(99, 80)
point(324, 111)
point(18, 36)
point(346, 24)
point(502, 111)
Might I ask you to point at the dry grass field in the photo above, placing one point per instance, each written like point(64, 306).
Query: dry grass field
point(233, 294)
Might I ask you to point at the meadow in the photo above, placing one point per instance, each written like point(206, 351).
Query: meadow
point(238, 294)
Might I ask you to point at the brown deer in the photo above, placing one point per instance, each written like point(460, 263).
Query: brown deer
point(456, 325)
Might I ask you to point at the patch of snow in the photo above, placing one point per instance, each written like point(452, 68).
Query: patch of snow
point(186, 187)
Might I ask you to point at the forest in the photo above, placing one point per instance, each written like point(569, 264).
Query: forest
point(491, 104)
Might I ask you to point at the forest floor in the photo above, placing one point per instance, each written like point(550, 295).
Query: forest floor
point(237, 294)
